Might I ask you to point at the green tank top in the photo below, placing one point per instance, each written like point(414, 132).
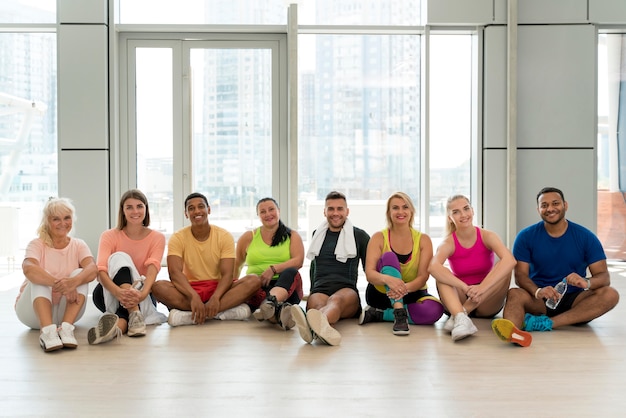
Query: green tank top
point(260, 255)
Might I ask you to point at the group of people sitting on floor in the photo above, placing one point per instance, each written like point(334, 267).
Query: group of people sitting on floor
point(205, 266)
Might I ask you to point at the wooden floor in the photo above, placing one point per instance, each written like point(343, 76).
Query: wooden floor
point(232, 369)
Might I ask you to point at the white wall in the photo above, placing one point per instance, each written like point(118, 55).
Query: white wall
point(83, 120)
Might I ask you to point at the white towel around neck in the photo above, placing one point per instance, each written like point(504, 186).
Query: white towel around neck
point(346, 244)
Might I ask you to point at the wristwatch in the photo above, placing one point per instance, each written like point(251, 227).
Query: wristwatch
point(588, 284)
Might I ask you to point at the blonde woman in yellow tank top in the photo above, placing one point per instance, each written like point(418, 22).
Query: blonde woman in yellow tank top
point(397, 270)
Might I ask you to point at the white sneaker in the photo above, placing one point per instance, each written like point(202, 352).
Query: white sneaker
point(299, 317)
point(258, 315)
point(463, 327)
point(177, 318)
point(449, 325)
point(322, 329)
point(285, 320)
point(49, 338)
point(237, 313)
point(66, 333)
point(105, 331)
point(136, 324)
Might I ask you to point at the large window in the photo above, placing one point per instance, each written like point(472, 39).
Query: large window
point(360, 113)
point(28, 124)
point(612, 144)
point(204, 12)
point(360, 124)
point(359, 127)
point(450, 116)
point(203, 118)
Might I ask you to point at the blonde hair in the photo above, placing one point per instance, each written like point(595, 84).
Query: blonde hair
point(55, 206)
point(450, 227)
point(407, 200)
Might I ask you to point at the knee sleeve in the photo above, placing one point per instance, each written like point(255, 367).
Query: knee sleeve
point(425, 311)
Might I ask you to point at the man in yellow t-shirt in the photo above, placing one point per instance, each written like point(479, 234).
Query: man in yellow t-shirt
point(200, 262)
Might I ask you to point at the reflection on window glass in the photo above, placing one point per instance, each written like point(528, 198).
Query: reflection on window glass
point(28, 136)
point(216, 12)
point(359, 12)
point(450, 123)
point(232, 132)
point(28, 11)
point(359, 127)
point(155, 134)
point(271, 12)
point(611, 144)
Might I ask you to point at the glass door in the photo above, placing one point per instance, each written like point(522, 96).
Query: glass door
point(203, 117)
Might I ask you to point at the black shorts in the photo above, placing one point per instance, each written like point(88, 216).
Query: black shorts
point(565, 305)
point(330, 289)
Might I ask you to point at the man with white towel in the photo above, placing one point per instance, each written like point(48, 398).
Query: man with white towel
point(335, 251)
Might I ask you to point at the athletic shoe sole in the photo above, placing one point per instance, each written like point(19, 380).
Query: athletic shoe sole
point(69, 343)
point(299, 317)
point(136, 332)
point(508, 332)
point(401, 332)
point(286, 319)
point(456, 336)
point(105, 331)
point(322, 329)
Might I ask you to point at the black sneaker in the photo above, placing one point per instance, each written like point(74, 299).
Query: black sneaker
point(401, 322)
point(370, 314)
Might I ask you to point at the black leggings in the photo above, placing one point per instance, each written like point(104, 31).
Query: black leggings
point(123, 276)
point(289, 279)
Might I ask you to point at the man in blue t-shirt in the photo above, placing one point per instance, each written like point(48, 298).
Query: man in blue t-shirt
point(335, 251)
point(546, 253)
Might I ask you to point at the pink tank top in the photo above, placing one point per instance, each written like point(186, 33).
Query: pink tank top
point(471, 265)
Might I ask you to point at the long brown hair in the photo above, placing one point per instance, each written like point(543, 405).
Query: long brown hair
point(132, 194)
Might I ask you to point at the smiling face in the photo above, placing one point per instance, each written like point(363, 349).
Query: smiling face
point(399, 212)
point(134, 211)
point(551, 208)
point(460, 213)
point(197, 211)
point(269, 214)
point(336, 212)
point(60, 224)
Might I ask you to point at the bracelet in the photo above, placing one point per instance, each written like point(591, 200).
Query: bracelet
point(273, 270)
point(537, 292)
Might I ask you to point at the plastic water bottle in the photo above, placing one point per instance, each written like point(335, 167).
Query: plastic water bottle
point(561, 288)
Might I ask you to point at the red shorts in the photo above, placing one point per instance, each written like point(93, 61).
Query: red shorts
point(205, 288)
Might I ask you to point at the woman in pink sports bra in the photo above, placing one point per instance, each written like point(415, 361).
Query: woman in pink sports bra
point(472, 284)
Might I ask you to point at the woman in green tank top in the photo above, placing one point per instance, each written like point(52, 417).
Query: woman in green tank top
point(274, 253)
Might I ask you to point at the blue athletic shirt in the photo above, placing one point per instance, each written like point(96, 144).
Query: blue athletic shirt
point(551, 259)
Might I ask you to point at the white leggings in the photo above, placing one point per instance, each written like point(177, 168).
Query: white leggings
point(26, 312)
